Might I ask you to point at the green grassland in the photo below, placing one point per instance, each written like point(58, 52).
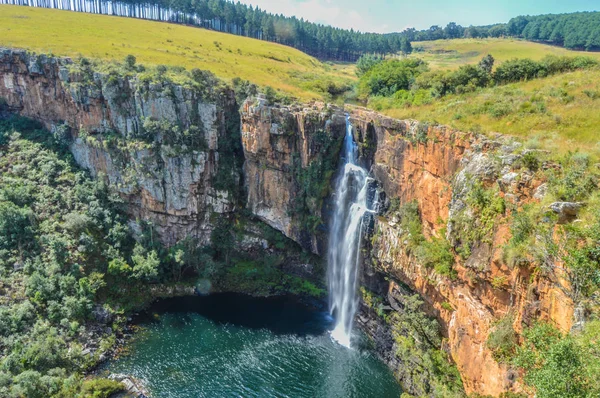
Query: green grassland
point(66, 33)
point(450, 54)
point(559, 113)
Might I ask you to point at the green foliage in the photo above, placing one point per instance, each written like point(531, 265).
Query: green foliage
point(243, 89)
point(575, 180)
point(366, 62)
point(162, 131)
point(101, 388)
point(487, 64)
point(503, 340)
point(477, 225)
point(145, 264)
point(187, 257)
point(329, 88)
point(264, 277)
point(394, 87)
point(130, 62)
point(568, 30)
point(59, 230)
point(231, 158)
point(270, 95)
point(582, 256)
point(531, 161)
point(526, 69)
point(437, 253)
point(418, 341)
point(387, 77)
point(313, 182)
point(434, 253)
point(530, 237)
point(560, 366)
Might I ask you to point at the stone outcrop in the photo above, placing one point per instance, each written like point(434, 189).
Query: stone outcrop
point(290, 155)
point(121, 128)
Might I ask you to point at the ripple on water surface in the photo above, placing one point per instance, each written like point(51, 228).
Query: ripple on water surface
point(238, 346)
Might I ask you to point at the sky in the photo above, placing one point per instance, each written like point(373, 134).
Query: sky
point(385, 16)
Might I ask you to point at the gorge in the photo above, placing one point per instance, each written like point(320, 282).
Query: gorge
point(252, 168)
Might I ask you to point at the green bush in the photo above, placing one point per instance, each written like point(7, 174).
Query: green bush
point(367, 62)
point(503, 340)
point(575, 180)
point(101, 388)
point(435, 253)
point(560, 366)
point(387, 77)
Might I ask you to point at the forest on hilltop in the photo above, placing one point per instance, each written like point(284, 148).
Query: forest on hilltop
point(321, 41)
point(573, 31)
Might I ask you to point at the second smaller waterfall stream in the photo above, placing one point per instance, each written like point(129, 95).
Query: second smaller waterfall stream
point(350, 205)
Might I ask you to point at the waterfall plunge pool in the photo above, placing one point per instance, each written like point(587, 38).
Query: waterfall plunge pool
point(232, 345)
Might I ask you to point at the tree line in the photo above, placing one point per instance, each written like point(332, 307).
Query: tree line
point(577, 31)
point(321, 41)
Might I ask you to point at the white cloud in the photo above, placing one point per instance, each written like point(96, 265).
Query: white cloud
point(320, 11)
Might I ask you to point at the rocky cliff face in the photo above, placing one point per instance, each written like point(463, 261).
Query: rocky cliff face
point(122, 129)
point(291, 155)
point(174, 153)
point(439, 169)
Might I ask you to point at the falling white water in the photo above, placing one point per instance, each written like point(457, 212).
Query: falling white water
point(351, 204)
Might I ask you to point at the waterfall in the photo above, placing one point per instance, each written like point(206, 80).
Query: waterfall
point(351, 204)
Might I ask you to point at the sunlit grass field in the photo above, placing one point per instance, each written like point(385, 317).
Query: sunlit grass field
point(450, 54)
point(66, 33)
point(559, 113)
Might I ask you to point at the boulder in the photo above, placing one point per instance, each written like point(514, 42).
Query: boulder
point(567, 211)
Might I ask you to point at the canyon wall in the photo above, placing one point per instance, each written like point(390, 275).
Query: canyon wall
point(108, 118)
point(438, 169)
point(184, 157)
point(174, 152)
point(291, 155)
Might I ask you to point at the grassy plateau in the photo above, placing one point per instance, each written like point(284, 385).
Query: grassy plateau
point(450, 54)
point(66, 33)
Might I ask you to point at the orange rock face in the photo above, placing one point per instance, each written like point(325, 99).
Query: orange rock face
point(415, 162)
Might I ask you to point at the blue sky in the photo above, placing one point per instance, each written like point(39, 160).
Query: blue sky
point(396, 15)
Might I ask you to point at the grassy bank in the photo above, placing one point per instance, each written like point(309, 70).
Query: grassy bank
point(450, 54)
point(559, 113)
point(73, 34)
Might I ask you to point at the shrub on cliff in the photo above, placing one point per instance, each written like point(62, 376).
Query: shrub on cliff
point(435, 252)
point(503, 339)
point(559, 366)
point(418, 339)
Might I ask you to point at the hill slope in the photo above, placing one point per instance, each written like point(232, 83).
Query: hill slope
point(450, 54)
point(72, 34)
point(559, 113)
